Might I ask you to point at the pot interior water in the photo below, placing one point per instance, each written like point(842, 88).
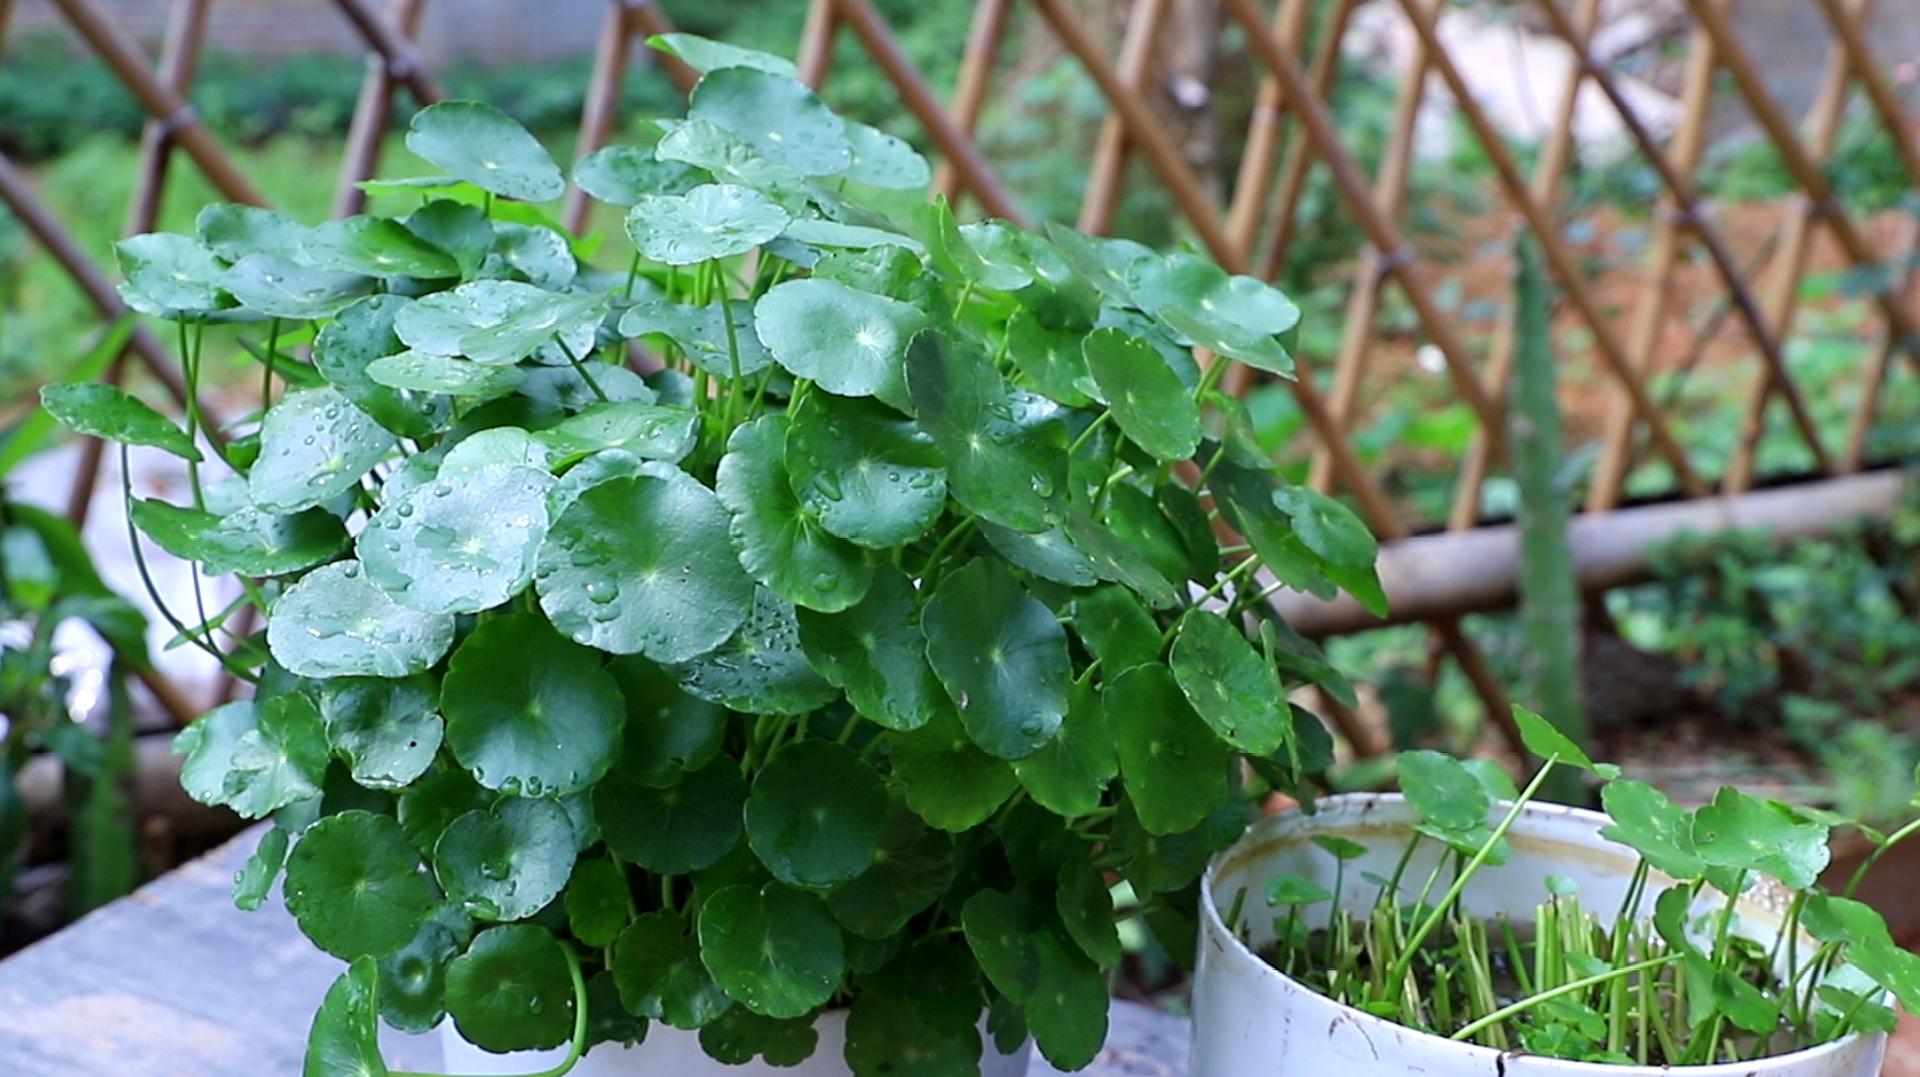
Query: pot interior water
point(1251, 1018)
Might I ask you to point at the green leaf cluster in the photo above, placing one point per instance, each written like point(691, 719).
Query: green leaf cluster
point(828, 592)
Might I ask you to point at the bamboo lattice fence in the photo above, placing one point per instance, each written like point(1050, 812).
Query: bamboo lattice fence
point(1435, 570)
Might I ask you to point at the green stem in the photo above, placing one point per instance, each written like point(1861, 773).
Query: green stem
point(1895, 838)
point(266, 378)
point(734, 386)
point(1399, 970)
point(575, 1049)
point(1496, 1017)
point(935, 559)
point(1098, 421)
point(582, 368)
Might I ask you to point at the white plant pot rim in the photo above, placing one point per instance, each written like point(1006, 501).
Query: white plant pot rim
point(1214, 931)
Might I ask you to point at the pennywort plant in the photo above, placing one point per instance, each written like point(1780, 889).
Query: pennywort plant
point(1663, 979)
point(842, 659)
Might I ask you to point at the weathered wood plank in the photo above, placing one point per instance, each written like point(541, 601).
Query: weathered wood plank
point(176, 982)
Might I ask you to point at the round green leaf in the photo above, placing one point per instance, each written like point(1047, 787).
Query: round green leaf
point(882, 160)
point(649, 431)
point(511, 990)
point(1115, 559)
point(1328, 527)
point(1237, 316)
point(774, 950)
point(356, 887)
point(345, 353)
point(1068, 774)
point(1146, 397)
point(675, 829)
point(246, 541)
point(1053, 360)
point(1049, 554)
point(1107, 264)
point(208, 746)
point(1086, 911)
point(375, 247)
point(714, 220)
point(948, 781)
point(169, 276)
point(864, 471)
point(529, 713)
point(911, 867)
point(234, 230)
point(279, 287)
point(815, 814)
point(1174, 766)
point(644, 565)
point(1749, 833)
point(336, 623)
point(346, 1033)
point(656, 965)
point(1001, 931)
point(1068, 1011)
point(413, 979)
point(1116, 628)
point(484, 146)
point(776, 115)
point(435, 800)
point(739, 1036)
point(507, 862)
point(461, 230)
point(1001, 656)
point(599, 902)
point(876, 652)
point(623, 175)
point(918, 1016)
point(668, 731)
point(541, 254)
point(848, 342)
point(703, 55)
point(459, 547)
point(1229, 684)
point(499, 321)
point(423, 372)
point(730, 159)
point(1653, 826)
point(107, 412)
point(760, 669)
point(781, 544)
point(280, 761)
point(314, 446)
point(1005, 448)
point(701, 332)
point(387, 731)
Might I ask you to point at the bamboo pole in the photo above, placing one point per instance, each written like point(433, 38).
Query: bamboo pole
point(1250, 185)
point(1790, 268)
point(1148, 135)
point(370, 115)
point(817, 35)
point(1363, 299)
point(602, 102)
point(649, 21)
point(179, 55)
point(161, 102)
point(1110, 150)
point(1752, 87)
point(974, 172)
point(1545, 188)
point(403, 58)
point(1860, 426)
point(1616, 453)
point(970, 92)
point(1707, 235)
point(1401, 260)
point(1298, 162)
point(1860, 60)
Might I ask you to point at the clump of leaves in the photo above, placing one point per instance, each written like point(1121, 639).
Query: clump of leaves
point(1661, 983)
point(841, 659)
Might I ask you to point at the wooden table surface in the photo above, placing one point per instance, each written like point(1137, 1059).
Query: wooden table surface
point(173, 981)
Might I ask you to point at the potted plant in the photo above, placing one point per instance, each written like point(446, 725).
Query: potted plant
point(1463, 929)
point(804, 694)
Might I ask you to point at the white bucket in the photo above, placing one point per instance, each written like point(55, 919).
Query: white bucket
point(1251, 1019)
point(676, 1052)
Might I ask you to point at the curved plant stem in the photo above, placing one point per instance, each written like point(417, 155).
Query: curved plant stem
point(575, 1049)
point(1895, 838)
point(1473, 1028)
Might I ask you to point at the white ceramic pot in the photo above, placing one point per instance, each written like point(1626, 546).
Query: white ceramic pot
point(1251, 1019)
point(673, 1052)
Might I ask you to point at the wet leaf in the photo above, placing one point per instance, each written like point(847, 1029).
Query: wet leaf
point(1239, 317)
point(849, 342)
point(1229, 684)
point(774, 950)
point(459, 546)
point(876, 651)
point(499, 321)
point(314, 446)
point(623, 175)
point(1174, 767)
point(511, 990)
point(487, 148)
point(761, 668)
point(867, 473)
point(1005, 449)
point(781, 544)
point(345, 1038)
point(529, 713)
point(506, 862)
point(246, 541)
point(776, 115)
point(355, 886)
point(815, 815)
point(107, 412)
point(1001, 656)
point(1146, 398)
point(713, 220)
point(1069, 773)
point(335, 623)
